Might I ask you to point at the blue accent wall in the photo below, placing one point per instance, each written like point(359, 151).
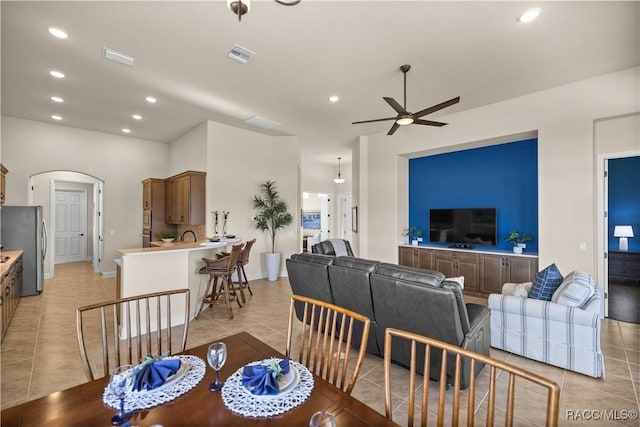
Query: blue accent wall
point(624, 199)
point(502, 176)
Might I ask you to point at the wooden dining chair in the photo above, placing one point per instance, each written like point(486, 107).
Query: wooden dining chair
point(534, 388)
point(324, 336)
point(126, 330)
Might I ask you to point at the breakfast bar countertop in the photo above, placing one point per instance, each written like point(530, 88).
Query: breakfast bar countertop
point(160, 246)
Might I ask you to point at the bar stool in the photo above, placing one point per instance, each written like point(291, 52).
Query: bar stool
point(243, 260)
point(222, 268)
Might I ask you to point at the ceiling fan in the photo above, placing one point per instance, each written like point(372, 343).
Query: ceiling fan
point(406, 118)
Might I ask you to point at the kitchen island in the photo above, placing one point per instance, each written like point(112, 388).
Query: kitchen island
point(167, 266)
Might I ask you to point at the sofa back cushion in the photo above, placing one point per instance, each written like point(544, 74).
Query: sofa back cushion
point(410, 274)
point(351, 289)
point(309, 276)
point(546, 283)
point(575, 290)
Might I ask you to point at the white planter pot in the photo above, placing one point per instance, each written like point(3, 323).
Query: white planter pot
point(273, 265)
point(414, 242)
point(517, 250)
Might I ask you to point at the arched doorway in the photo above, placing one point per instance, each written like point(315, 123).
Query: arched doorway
point(46, 189)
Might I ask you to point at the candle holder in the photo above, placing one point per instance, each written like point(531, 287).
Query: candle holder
point(225, 215)
point(215, 223)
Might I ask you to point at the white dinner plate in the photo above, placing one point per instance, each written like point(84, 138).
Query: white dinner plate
point(286, 383)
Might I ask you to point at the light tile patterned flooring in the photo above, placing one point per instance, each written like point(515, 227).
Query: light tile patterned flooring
point(40, 352)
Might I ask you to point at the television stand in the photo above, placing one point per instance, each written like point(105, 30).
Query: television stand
point(461, 246)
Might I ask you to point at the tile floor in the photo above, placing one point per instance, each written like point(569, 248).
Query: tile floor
point(40, 353)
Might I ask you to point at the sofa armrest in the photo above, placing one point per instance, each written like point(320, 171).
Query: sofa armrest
point(546, 310)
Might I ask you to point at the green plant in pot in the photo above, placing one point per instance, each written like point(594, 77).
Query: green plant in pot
point(518, 240)
point(272, 214)
point(414, 233)
point(167, 236)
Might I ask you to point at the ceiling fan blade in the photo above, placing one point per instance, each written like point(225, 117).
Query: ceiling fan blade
point(435, 108)
point(428, 122)
point(393, 129)
point(394, 104)
point(374, 120)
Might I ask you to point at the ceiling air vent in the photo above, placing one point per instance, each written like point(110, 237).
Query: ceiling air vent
point(118, 56)
point(261, 122)
point(240, 54)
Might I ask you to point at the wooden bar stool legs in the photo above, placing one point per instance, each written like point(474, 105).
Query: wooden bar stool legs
point(221, 268)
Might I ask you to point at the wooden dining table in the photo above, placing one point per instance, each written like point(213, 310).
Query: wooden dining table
point(82, 405)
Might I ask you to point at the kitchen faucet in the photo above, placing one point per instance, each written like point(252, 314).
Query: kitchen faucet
point(195, 236)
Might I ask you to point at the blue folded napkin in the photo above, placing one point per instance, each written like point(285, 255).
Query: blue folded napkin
point(152, 373)
point(262, 379)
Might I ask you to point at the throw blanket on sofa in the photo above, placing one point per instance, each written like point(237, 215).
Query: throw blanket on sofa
point(339, 247)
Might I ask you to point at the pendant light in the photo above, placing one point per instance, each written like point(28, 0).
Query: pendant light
point(339, 179)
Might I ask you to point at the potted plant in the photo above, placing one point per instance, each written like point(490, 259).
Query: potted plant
point(167, 236)
point(272, 215)
point(518, 240)
point(415, 235)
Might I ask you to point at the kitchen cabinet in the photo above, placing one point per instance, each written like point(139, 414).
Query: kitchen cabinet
point(416, 257)
point(3, 172)
point(153, 210)
point(458, 263)
point(496, 270)
point(11, 287)
point(185, 198)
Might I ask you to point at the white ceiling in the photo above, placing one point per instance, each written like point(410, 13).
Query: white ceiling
point(476, 50)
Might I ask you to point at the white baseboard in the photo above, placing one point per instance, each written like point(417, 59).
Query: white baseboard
point(106, 274)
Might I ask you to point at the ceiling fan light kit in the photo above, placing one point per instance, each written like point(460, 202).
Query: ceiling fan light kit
point(404, 117)
point(242, 7)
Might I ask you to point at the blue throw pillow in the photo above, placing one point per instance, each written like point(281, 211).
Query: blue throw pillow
point(546, 283)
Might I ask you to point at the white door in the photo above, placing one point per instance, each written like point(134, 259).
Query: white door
point(71, 226)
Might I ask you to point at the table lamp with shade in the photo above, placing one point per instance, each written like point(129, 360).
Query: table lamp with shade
point(623, 231)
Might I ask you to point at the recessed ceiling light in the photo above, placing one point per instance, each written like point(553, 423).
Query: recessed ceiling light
point(55, 117)
point(57, 32)
point(125, 130)
point(529, 15)
point(150, 99)
point(57, 99)
point(334, 98)
point(136, 116)
point(57, 74)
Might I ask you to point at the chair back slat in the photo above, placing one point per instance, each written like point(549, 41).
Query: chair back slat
point(451, 354)
point(124, 331)
point(325, 340)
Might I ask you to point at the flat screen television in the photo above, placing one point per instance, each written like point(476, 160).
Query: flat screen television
point(466, 226)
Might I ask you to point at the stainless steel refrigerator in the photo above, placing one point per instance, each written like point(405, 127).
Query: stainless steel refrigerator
point(22, 228)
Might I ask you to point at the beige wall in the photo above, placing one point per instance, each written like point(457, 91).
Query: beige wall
point(564, 120)
point(237, 161)
point(31, 147)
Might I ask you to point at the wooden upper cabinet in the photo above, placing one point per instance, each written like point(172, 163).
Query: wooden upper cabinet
point(185, 198)
point(2, 183)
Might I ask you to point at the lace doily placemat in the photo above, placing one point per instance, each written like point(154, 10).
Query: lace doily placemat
point(239, 400)
point(193, 374)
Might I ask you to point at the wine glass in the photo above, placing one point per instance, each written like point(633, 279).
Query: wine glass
point(322, 419)
point(121, 383)
point(216, 356)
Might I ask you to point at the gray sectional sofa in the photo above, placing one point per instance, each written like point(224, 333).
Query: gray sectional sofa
point(412, 299)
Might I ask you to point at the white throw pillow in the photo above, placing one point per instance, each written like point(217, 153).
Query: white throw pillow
point(576, 288)
point(517, 289)
point(459, 280)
